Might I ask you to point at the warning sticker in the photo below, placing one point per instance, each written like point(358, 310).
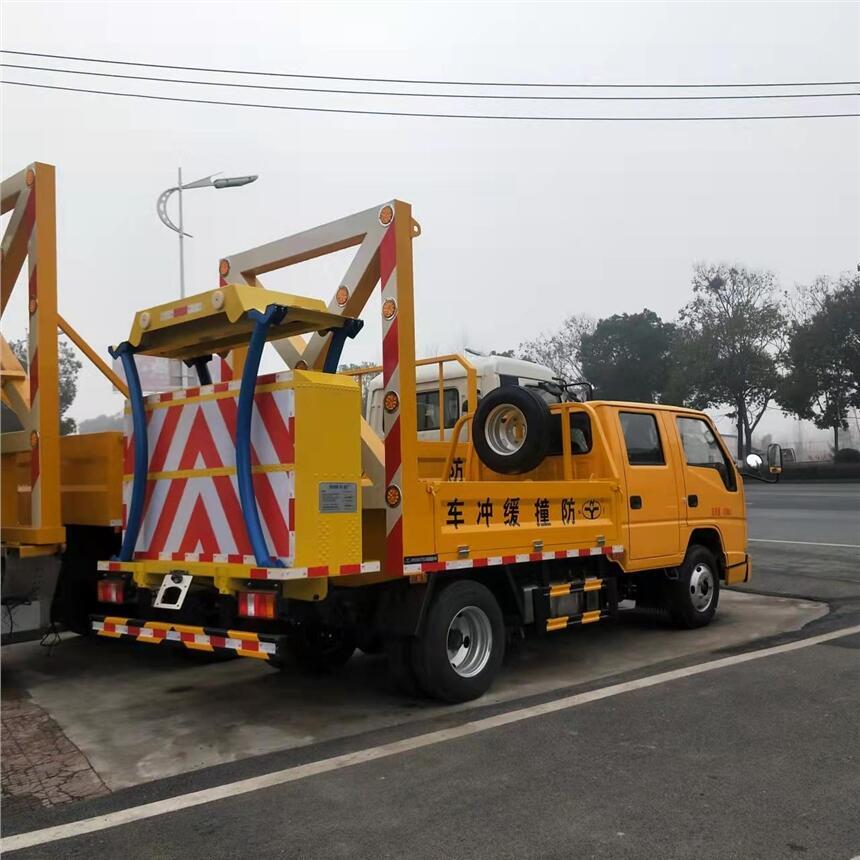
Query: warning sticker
point(338, 498)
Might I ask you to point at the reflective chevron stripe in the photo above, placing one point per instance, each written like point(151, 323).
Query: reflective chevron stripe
point(257, 645)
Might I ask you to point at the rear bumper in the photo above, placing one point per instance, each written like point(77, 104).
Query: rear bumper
point(259, 646)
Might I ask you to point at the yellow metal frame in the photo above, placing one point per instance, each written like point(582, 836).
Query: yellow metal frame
point(33, 458)
point(32, 235)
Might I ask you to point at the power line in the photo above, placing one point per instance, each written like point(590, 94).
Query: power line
point(431, 115)
point(432, 82)
point(427, 95)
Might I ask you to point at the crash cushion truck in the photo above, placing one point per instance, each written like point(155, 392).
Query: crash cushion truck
point(263, 516)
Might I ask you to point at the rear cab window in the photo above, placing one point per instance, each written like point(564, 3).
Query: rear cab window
point(703, 451)
point(642, 439)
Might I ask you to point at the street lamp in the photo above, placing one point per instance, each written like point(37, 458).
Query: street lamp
point(161, 208)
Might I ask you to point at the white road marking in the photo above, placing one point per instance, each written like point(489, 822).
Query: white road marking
point(805, 543)
point(303, 771)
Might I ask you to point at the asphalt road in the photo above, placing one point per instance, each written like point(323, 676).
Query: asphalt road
point(790, 526)
point(754, 756)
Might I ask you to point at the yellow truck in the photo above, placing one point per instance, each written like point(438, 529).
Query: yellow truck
point(263, 516)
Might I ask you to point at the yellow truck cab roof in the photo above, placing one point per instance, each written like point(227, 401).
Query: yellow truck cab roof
point(632, 404)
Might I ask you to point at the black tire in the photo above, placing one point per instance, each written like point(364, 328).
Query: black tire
point(490, 418)
point(693, 597)
point(478, 616)
point(320, 649)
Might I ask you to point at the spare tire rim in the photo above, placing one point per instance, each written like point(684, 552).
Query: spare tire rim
point(469, 641)
point(506, 429)
point(701, 587)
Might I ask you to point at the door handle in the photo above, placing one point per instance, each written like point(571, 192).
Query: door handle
point(693, 501)
point(636, 502)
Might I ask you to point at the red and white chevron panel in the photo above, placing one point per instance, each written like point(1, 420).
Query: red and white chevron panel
point(391, 421)
point(195, 515)
point(520, 558)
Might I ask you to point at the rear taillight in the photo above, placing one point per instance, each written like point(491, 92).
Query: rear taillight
point(258, 604)
point(111, 591)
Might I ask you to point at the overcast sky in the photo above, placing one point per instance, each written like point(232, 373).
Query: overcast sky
point(523, 223)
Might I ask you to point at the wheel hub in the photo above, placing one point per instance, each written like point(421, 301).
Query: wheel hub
point(701, 587)
point(469, 641)
point(506, 429)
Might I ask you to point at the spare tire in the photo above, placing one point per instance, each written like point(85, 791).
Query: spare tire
point(511, 430)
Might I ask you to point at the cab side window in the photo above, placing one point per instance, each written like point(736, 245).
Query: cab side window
point(702, 450)
point(642, 439)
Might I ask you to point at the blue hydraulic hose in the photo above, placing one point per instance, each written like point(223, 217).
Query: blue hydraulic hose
point(134, 517)
point(244, 412)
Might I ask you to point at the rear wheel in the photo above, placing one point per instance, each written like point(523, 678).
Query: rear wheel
point(693, 597)
point(460, 650)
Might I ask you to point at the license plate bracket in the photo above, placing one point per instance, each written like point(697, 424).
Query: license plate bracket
point(171, 593)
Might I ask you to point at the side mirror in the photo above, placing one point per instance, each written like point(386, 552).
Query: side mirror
point(754, 461)
point(774, 459)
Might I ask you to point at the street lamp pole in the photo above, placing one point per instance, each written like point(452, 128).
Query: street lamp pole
point(181, 240)
point(161, 208)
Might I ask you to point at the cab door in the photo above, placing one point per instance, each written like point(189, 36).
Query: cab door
point(713, 491)
point(652, 487)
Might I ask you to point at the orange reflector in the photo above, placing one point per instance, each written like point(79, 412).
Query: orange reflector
point(258, 604)
point(389, 309)
point(34, 439)
point(341, 296)
point(31, 178)
point(301, 364)
point(392, 496)
point(110, 591)
point(386, 215)
point(224, 268)
point(391, 401)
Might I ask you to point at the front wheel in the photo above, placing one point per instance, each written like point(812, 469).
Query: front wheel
point(460, 650)
point(693, 597)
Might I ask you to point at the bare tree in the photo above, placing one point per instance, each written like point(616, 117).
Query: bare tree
point(560, 350)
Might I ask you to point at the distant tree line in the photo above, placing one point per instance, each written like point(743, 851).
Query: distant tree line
point(739, 343)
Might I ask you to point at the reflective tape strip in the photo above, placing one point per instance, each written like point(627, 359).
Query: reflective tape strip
point(181, 311)
point(564, 588)
point(190, 637)
point(111, 566)
point(563, 621)
point(519, 558)
point(248, 561)
point(287, 573)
